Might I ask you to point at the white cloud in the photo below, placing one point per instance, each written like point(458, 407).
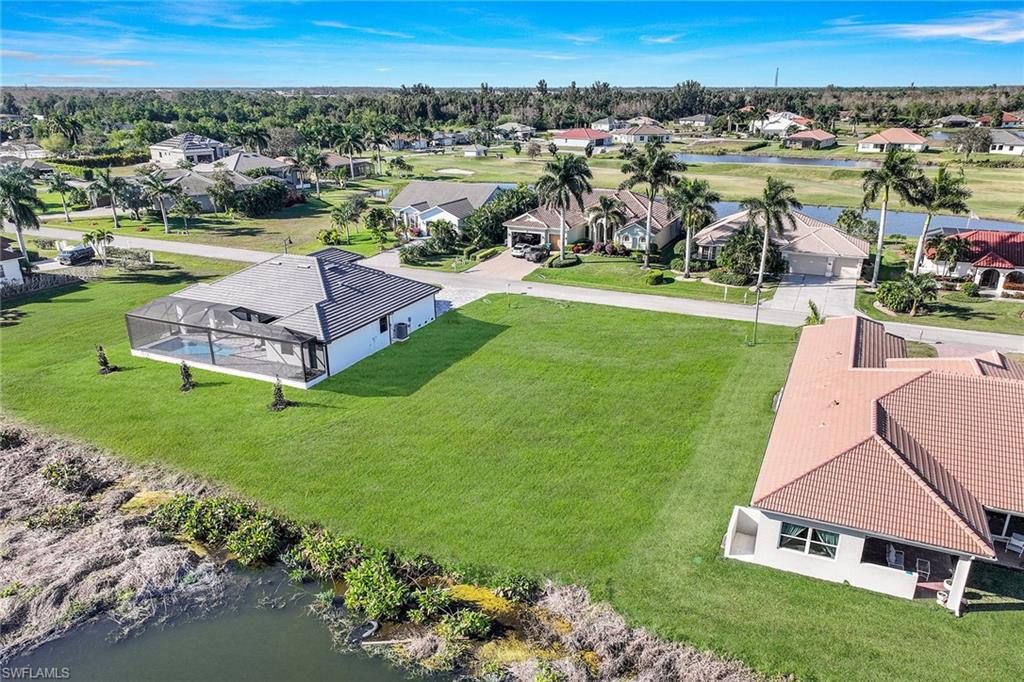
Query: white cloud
point(660, 40)
point(100, 61)
point(363, 29)
point(215, 15)
point(385, 69)
point(578, 38)
point(990, 27)
point(556, 57)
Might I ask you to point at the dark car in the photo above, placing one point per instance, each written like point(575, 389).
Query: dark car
point(75, 255)
point(537, 254)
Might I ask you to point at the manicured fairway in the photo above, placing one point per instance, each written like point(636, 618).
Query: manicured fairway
point(593, 444)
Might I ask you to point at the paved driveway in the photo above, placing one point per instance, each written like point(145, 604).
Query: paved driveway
point(504, 266)
point(834, 297)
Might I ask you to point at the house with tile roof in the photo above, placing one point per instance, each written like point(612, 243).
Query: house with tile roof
point(698, 121)
point(1006, 141)
point(580, 137)
point(642, 134)
point(542, 226)
point(608, 123)
point(422, 202)
point(994, 261)
point(190, 147)
point(247, 162)
point(780, 124)
point(809, 246)
point(295, 318)
point(903, 139)
point(811, 139)
point(888, 473)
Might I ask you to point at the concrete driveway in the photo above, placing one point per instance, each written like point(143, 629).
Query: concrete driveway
point(834, 297)
point(504, 266)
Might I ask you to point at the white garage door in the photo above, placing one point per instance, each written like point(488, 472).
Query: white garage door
point(808, 265)
point(847, 268)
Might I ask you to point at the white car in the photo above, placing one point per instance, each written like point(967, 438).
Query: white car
point(519, 250)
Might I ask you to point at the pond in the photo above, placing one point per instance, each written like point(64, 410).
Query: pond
point(897, 222)
point(773, 160)
point(267, 634)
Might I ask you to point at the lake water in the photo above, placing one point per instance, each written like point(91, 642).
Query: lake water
point(246, 642)
point(897, 222)
point(772, 160)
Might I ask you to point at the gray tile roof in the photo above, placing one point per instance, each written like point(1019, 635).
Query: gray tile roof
point(1010, 137)
point(437, 193)
point(190, 142)
point(809, 235)
point(241, 162)
point(326, 294)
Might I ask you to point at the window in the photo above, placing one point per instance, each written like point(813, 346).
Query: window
point(809, 540)
point(383, 322)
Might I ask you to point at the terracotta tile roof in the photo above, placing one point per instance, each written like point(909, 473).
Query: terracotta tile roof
point(815, 134)
point(894, 136)
point(582, 134)
point(809, 235)
point(635, 209)
point(868, 439)
point(994, 248)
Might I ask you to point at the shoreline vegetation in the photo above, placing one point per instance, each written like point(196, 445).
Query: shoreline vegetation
point(86, 536)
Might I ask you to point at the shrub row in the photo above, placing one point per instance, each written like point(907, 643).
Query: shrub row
point(251, 534)
point(754, 145)
point(106, 160)
point(723, 276)
point(610, 249)
point(556, 261)
point(484, 254)
point(76, 171)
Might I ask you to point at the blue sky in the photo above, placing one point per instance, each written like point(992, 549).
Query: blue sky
point(224, 44)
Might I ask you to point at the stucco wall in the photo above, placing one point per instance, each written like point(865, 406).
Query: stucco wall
point(10, 271)
point(367, 340)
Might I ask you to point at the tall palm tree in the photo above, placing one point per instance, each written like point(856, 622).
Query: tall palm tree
point(898, 175)
point(256, 136)
point(695, 201)
point(566, 177)
point(58, 182)
point(312, 161)
point(65, 125)
point(653, 168)
point(946, 192)
point(348, 140)
point(376, 137)
point(100, 238)
point(772, 212)
point(608, 215)
point(18, 202)
point(156, 190)
point(106, 183)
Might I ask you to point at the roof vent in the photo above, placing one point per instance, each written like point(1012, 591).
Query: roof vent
point(275, 262)
point(304, 266)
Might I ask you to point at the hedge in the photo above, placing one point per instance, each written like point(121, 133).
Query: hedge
point(77, 171)
point(753, 145)
point(107, 160)
point(484, 254)
point(570, 259)
point(722, 276)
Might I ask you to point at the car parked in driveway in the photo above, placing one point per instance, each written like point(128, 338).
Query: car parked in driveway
point(76, 255)
point(519, 250)
point(537, 254)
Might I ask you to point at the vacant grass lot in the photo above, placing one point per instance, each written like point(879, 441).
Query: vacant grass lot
point(624, 274)
point(594, 444)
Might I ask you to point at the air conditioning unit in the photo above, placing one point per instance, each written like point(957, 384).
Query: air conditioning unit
point(401, 332)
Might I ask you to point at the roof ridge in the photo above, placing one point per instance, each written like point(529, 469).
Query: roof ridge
point(810, 471)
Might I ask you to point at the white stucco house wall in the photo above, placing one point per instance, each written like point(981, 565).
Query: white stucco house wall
point(297, 319)
point(579, 138)
point(995, 262)
point(641, 135)
point(421, 202)
point(1007, 142)
point(902, 139)
point(190, 147)
point(10, 262)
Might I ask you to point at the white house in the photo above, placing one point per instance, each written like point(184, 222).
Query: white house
point(608, 123)
point(1005, 141)
point(809, 246)
point(780, 124)
point(10, 265)
point(23, 150)
point(515, 131)
point(421, 202)
point(189, 147)
point(245, 162)
point(642, 121)
point(299, 319)
point(880, 474)
point(994, 261)
point(579, 138)
point(541, 225)
point(475, 150)
point(698, 121)
point(641, 135)
point(893, 138)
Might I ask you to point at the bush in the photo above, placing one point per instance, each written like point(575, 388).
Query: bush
point(678, 264)
point(76, 171)
point(754, 145)
point(464, 623)
point(374, 590)
point(207, 519)
point(513, 586)
point(260, 199)
point(106, 160)
point(893, 295)
point(654, 278)
point(68, 475)
point(969, 289)
point(722, 276)
point(255, 540)
point(431, 604)
point(413, 254)
point(571, 259)
point(484, 254)
point(60, 516)
point(331, 555)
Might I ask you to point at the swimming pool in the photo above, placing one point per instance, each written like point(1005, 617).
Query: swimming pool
point(191, 347)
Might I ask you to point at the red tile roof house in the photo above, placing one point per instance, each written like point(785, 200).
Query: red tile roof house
point(541, 225)
point(642, 134)
point(893, 138)
point(811, 139)
point(888, 473)
point(581, 137)
point(995, 262)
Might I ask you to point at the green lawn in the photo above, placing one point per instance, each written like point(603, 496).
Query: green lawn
point(513, 432)
point(624, 274)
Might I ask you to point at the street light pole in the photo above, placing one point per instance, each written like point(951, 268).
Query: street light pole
point(757, 311)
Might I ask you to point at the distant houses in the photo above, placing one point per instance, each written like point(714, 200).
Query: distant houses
point(421, 202)
point(893, 138)
point(515, 131)
point(641, 134)
point(581, 137)
point(811, 139)
point(188, 147)
point(1008, 119)
point(249, 162)
point(955, 121)
point(780, 124)
point(698, 121)
point(608, 123)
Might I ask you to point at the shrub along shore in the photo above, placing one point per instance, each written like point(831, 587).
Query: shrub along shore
point(68, 501)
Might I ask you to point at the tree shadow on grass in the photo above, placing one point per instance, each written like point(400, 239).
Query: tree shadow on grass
point(406, 367)
point(995, 588)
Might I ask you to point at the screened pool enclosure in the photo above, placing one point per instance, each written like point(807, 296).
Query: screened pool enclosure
point(231, 338)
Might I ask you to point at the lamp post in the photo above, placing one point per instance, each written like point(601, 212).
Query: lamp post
point(287, 243)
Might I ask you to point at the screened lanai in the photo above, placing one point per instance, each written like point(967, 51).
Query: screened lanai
point(231, 337)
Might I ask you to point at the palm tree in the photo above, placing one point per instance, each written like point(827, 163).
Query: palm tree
point(947, 192)
point(18, 202)
point(950, 250)
point(341, 216)
point(919, 289)
point(376, 136)
point(110, 185)
point(255, 136)
point(772, 211)
point(348, 140)
point(156, 190)
point(1020, 211)
point(566, 177)
point(100, 238)
point(608, 214)
point(186, 207)
point(695, 201)
point(898, 174)
point(65, 125)
point(312, 161)
point(653, 168)
point(58, 182)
